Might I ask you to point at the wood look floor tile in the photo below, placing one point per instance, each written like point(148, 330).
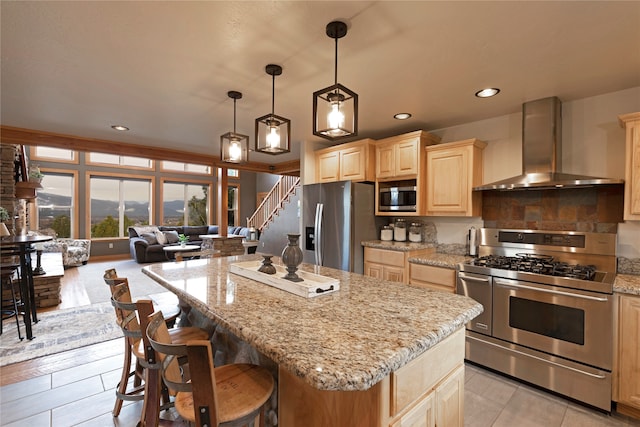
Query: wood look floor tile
point(43, 419)
point(85, 409)
point(25, 388)
point(46, 400)
point(86, 370)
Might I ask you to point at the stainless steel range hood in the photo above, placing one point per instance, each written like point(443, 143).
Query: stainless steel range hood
point(542, 152)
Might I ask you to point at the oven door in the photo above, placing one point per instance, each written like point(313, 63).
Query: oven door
point(576, 325)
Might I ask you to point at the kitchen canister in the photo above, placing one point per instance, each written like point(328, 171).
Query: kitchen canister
point(386, 234)
point(415, 232)
point(400, 230)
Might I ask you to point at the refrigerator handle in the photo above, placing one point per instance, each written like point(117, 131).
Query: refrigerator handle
point(317, 233)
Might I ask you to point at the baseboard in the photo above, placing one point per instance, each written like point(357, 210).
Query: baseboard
point(628, 410)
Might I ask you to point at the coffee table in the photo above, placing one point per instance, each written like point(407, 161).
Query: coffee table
point(170, 251)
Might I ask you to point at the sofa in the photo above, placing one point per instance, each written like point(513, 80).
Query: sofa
point(146, 243)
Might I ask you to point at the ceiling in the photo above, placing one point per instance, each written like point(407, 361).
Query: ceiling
point(164, 68)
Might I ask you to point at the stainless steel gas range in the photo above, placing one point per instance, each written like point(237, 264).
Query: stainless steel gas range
point(548, 309)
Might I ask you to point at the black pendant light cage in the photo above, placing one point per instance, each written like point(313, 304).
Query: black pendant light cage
point(234, 147)
point(335, 108)
point(273, 132)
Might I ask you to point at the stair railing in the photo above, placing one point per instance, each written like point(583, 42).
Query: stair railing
point(273, 202)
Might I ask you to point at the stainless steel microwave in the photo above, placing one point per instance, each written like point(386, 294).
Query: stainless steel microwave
point(400, 199)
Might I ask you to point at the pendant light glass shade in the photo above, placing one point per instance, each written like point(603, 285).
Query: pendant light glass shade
point(234, 147)
point(273, 132)
point(335, 108)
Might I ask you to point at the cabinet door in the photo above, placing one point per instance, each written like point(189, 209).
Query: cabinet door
point(632, 176)
point(407, 157)
point(328, 166)
point(449, 400)
point(448, 181)
point(385, 161)
point(352, 164)
point(436, 278)
point(422, 415)
point(629, 351)
point(394, 274)
point(373, 270)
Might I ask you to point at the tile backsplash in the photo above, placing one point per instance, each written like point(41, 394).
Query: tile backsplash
point(591, 209)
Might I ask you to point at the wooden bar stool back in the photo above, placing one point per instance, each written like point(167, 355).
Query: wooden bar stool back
point(127, 319)
point(229, 395)
point(9, 300)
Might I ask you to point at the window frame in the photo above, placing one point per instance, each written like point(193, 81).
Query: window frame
point(161, 168)
point(75, 209)
point(238, 221)
point(34, 157)
point(188, 181)
point(121, 176)
point(89, 162)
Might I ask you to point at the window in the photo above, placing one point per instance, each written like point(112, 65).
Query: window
point(186, 167)
point(233, 208)
point(233, 173)
point(54, 154)
point(185, 203)
point(117, 203)
point(56, 204)
point(118, 160)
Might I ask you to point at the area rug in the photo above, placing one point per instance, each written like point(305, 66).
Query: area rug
point(59, 331)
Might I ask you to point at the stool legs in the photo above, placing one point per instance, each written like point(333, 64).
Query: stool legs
point(11, 311)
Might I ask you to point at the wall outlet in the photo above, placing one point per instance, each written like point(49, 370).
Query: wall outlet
point(110, 245)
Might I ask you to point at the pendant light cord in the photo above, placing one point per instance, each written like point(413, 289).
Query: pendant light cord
point(234, 115)
point(336, 62)
point(273, 94)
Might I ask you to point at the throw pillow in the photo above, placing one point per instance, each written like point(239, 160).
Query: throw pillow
point(172, 237)
point(160, 237)
point(145, 229)
point(150, 238)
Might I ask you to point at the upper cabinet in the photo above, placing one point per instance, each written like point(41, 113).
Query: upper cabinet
point(453, 169)
point(402, 156)
point(632, 166)
point(353, 161)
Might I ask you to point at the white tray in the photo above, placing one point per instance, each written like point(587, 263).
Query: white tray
point(312, 285)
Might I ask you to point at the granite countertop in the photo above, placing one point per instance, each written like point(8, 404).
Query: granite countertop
point(627, 284)
point(440, 260)
point(347, 340)
point(397, 246)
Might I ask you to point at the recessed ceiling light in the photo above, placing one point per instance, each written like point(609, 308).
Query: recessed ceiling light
point(402, 116)
point(487, 93)
point(120, 128)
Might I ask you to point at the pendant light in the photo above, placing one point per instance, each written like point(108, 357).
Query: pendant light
point(335, 108)
point(234, 148)
point(273, 132)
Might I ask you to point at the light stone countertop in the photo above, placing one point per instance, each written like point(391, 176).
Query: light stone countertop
point(440, 260)
point(397, 246)
point(347, 340)
point(627, 284)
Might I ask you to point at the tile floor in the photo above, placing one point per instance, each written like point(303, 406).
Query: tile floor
point(84, 396)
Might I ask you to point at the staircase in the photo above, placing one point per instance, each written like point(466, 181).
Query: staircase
point(274, 201)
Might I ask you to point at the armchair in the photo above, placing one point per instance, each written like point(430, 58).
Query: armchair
point(75, 252)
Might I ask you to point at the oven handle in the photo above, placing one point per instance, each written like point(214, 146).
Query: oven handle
point(476, 279)
point(549, 291)
point(580, 371)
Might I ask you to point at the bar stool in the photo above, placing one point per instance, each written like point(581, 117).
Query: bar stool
point(229, 395)
point(10, 304)
point(127, 315)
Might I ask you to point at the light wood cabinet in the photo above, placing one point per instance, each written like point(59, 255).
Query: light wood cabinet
point(628, 355)
point(353, 161)
point(631, 122)
point(427, 391)
point(436, 278)
point(402, 156)
point(453, 169)
point(389, 264)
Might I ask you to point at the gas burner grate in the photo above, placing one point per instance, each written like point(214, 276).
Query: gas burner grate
point(538, 264)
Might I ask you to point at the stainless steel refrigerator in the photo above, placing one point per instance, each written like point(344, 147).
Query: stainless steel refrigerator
point(337, 216)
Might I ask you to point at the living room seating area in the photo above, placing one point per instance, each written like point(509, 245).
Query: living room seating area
point(146, 243)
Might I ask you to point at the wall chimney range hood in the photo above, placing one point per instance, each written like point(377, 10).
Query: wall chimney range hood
point(542, 152)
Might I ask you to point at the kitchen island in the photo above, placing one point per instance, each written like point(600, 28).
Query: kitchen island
point(374, 353)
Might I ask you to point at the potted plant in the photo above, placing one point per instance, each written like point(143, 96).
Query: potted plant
point(4, 214)
point(35, 175)
point(183, 240)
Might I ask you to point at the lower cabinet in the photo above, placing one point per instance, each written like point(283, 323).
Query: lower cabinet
point(388, 264)
point(436, 278)
point(427, 391)
point(628, 355)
